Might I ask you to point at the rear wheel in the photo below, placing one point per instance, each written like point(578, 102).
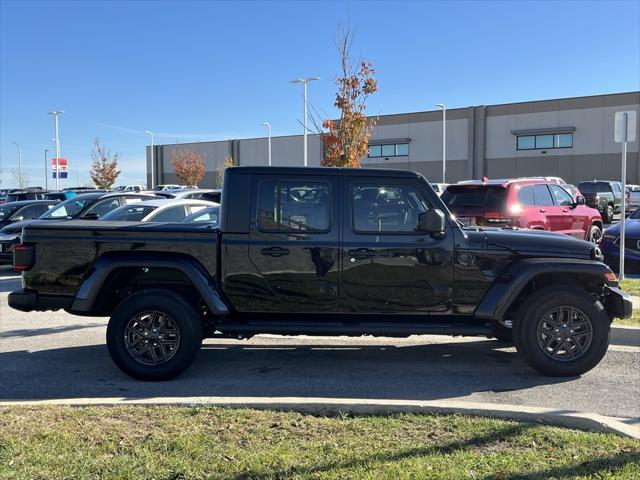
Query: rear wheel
point(608, 214)
point(595, 234)
point(154, 335)
point(560, 332)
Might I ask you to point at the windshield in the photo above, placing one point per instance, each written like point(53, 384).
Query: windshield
point(68, 209)
point(594, 187)
point(129, 213)
point(487, 197)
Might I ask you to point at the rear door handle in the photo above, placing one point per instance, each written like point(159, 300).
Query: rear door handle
point(542, 210)
point(361, 253)
point(275, 251)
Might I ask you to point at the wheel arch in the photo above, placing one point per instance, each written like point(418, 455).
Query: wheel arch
point(526, 276)
point(102, 290)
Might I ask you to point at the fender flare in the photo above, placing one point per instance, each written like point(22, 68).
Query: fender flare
point(89, 291)
point(513, 279)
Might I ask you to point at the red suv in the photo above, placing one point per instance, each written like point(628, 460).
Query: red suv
point(524, 203)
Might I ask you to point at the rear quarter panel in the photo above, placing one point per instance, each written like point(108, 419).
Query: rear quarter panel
point(65, 252)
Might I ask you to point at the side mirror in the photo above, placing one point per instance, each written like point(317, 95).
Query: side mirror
point(17, 219)
point(580, 200)
point(432, 222)
point(91, 216)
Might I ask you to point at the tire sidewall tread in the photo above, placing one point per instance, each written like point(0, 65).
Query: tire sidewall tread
point(181, 311)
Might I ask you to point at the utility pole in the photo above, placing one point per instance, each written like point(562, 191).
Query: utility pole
point(20, 179)
point(46, 180)
point(268, 138)
point(444, 141)
point(150, 133)
point(55, 114)
point(304, 82)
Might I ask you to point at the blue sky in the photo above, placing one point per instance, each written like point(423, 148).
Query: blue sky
point(195, 71)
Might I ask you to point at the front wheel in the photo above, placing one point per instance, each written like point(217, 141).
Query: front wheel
point(561, 332)
point(154, 335)
point(595, 234)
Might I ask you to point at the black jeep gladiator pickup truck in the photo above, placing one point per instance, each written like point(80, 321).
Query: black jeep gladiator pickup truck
point(321, 251)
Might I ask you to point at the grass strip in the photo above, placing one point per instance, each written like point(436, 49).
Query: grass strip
point(210, 442)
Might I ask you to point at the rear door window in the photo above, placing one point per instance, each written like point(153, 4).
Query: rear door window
point(525, 196)
point(173, 214)
point(293, 206)
point(542, 195)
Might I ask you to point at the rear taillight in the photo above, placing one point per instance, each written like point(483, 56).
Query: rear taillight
point(497, 217)
point(23, 257)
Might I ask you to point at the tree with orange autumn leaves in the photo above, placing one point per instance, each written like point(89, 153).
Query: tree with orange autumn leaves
point(346, 140)
point(189, 166)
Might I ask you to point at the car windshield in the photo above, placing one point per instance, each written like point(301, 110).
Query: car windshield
point(594, 187)
point(129, 213)
point(475, 196)
point(68, 209)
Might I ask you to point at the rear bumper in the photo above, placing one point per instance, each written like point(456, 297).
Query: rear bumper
point(28, 301)
point(617, 303)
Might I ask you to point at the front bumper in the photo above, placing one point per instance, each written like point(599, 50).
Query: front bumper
point(617, 303)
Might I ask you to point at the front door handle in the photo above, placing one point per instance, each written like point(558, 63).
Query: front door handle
point(361, 253)
point(542, 210)
point(275, 251)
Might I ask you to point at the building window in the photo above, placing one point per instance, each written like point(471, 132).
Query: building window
point(537, 142)
point(389, 150)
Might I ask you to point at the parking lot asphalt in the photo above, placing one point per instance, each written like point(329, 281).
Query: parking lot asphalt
point(48, 355)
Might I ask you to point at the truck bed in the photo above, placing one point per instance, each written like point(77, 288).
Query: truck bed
point(67, 250)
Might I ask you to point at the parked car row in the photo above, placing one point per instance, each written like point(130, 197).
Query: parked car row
point(125, 206)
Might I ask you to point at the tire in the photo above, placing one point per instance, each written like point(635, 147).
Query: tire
point(533, 313)
point(141, 314)
point(595, 235)
point(608, 214)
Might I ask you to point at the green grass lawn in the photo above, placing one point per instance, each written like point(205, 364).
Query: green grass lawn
point(632, 287)
point(206, 442)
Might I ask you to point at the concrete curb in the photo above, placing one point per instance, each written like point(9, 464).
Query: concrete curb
point(625, 336)
point(562, 418)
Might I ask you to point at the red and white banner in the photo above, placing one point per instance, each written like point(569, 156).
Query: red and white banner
point(59, 165)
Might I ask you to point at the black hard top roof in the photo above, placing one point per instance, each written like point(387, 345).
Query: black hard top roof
point(369, 172)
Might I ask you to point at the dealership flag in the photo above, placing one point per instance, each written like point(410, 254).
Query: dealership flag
point(59, 167)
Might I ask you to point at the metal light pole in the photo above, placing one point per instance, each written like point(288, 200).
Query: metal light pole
point(266, 124)
point(444, 141)
point(46, 180)
point(19, 163)
point(304, 82)
point(55, 114)
point(150, 133)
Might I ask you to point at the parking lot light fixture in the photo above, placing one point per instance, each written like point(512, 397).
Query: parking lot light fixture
point(266, 124)
point(55, 114)
point(19, 147)
point(304, 82)
point(150, 133)
point(444, 141)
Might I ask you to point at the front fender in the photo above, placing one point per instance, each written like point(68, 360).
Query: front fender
point(89, 291)
point(512, 280)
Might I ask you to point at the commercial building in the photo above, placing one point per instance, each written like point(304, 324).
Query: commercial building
point(572, 138)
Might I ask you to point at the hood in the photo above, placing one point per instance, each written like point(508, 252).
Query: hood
point(537, 243)
point(17, 227)
point(631, 228)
